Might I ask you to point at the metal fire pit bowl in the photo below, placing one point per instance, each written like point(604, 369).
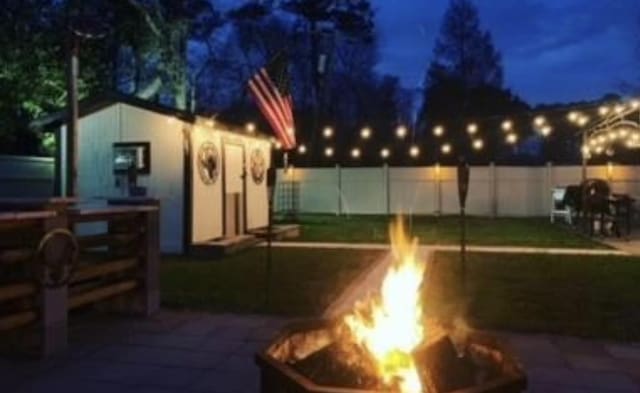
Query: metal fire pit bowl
point(299, 341)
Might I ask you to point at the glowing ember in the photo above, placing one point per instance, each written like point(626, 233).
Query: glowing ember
point(390, 326)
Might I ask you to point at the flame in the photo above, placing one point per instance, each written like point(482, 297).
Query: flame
point(390, 326)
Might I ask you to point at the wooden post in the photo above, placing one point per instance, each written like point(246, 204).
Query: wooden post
point(339, 176)
point(493, 189)
point(149, 296)
point(54, 317)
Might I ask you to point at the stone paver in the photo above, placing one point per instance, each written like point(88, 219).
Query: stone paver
point(197, 352)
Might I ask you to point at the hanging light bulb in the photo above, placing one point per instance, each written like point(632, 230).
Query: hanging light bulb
point(365, 133)
point(401, 132)
point(478, 144)
point(302, 149)
point(512, 138)
point(446, 148)
point(599, 149)
point(250, 127)
point(635, 136)
point(278, 145)
point(593, 142)
point(635, 104)
point(327, 132)
point(507, 125)
point(612, 135)
point(583, 120)
point(602, 139)
point(623, 132)
point(539, 121)
point(603, 110)
point(619, 109)
point(355, 153)
point(472, 128)
point(384, 153)
point(328, 152)
point(585, 150)
point(438, 131)
point(546, 130)
point(414, 151)
point(573, 116)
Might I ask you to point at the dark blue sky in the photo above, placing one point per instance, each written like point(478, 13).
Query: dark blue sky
point(553, 50)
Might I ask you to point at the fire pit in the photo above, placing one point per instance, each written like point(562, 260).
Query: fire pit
point(304, 358)
point(386, 344)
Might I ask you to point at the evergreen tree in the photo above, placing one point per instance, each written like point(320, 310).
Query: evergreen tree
point(464, 80)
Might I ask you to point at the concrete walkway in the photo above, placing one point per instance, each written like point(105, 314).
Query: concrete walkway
point(487, 249)
point(196, 352)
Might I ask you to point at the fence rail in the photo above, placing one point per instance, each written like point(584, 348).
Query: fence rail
point(50, 266)
point(493, 190)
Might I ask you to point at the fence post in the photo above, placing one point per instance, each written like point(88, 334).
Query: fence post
point(438, 189)
point(54, 300)
point(546, 197)
point(339, 178)
point(493, 174)
point(387, 182)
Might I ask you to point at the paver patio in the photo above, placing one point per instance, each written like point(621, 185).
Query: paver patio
point(197, 352)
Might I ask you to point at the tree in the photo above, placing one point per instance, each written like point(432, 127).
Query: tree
point(465, 77)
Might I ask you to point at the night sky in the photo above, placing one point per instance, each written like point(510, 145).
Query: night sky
point(553, 50)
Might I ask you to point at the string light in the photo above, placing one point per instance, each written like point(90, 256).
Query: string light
point(539, 121)
point(478, 144)
point(384, 153)
point(328, 152)
point(250, 127)
point(365, 133)
point(438, 131)
point(507, 125)
point(327, 132)
point(546, 130)
point(619, 109)
point(599, 150)
point(302, 149)
point(635, 104)
point(573, 116)
point(583, 120)
point(446, 148)
point(355, 153)
point(472, 128)
point(414, 151)
point(278, 145)
point(635, 136)
point(593, 142)
point(401, 132)
point(623, 132)
point(512, 138)
point(603, 110)
point(612, 135)
point(602, 139)
point(585, 150)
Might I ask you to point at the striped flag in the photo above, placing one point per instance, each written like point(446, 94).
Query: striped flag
point(270, 89)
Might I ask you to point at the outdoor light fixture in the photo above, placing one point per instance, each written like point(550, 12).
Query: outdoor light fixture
point(546, 130)
point(302, 149)
point(327, 132)
point(328, 152)
point(401, 132)
point(472, 128)
point(603, 110)
point(438, 130)
point(446, 148)
point(250, 127)
point(365, 133)
point(507, 125)
point(478, 144)
point(414, 151)
point(539, 121)
point(355, 153)
point(512, 138)
point(384, 153)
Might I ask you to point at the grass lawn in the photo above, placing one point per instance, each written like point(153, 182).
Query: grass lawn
point(304, 281)
point(534, 232)
point(591, 296)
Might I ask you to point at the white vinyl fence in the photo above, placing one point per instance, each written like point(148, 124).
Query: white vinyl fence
point(493, 190)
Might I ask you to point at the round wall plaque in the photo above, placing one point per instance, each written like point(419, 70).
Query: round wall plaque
point(208, 163)
point(258, 165)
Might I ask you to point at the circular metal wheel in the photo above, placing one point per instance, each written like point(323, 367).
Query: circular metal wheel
point(56, 258)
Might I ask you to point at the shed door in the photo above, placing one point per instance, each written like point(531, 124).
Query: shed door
point(234, 189)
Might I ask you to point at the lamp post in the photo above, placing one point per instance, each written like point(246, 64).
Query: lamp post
point(81, 28)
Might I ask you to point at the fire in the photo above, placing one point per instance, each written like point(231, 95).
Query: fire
point(390, 326)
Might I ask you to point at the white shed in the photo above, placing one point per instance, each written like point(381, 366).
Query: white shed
point(210, 178)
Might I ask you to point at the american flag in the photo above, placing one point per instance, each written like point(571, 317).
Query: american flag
point(270, 88)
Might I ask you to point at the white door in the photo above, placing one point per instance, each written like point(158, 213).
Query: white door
point(234, 189)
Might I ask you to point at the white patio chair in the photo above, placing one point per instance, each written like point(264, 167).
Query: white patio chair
point(558, 206)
